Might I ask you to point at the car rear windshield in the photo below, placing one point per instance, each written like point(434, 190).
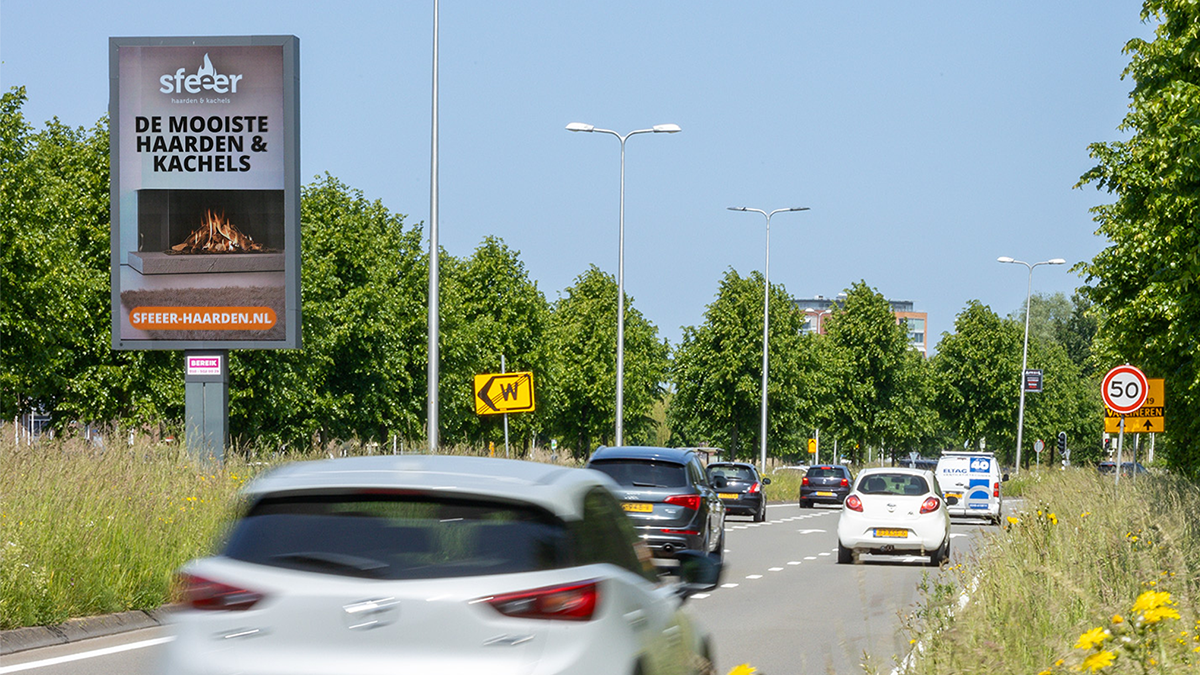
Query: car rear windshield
point(825, 472)
point(643, 472)
point(739, 473)
point(399, 536)
point(892, 484)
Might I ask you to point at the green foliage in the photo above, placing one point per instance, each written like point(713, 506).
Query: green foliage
point(359, 373)
point(1146, 282)
point(880, 391)
point(54, 282)
point(583, 337)
point(717, 372)
point(491, 307)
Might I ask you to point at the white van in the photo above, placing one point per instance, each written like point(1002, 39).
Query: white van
point(974, 479)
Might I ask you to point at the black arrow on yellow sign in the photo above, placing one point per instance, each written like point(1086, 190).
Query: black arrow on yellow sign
point(503, 393)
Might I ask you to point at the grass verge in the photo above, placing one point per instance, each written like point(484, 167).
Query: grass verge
point(1087, 578)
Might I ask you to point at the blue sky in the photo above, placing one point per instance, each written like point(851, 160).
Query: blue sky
point(927, 138)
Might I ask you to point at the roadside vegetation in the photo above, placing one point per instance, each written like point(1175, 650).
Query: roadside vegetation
point(1086, 578)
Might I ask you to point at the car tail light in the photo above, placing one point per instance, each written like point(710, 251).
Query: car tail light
point(804, 481)
point(201, 593)
point(930, 505)
point(754, 489)
point(572, 602)
point(686, 501)
point(996, 490)
point(845, 483)
point(854, 503)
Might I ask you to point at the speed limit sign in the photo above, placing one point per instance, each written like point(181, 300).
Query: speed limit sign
point(1124, 389)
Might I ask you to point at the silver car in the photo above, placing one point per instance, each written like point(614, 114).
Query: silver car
point(435, 564)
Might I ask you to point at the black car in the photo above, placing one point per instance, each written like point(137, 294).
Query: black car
point(826, 484)
point(1127, 468)
point(741, 488)
point(667, 495)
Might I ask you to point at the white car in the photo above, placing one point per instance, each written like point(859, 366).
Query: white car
point(435, 564)
point(894, 510)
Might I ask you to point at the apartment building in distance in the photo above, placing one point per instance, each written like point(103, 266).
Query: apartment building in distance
point(818, 308)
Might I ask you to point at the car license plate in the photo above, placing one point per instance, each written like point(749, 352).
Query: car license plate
point(637, 507)
point(883, 532)
point(824, 494)
point(727, 495)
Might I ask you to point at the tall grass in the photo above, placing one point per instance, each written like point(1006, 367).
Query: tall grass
point(87, 530)
point(1077, 558)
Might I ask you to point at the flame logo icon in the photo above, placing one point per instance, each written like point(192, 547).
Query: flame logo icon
point(207, 68)
point(206, 78)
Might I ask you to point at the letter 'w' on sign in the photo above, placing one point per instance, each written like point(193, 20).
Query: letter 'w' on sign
point(498, 393)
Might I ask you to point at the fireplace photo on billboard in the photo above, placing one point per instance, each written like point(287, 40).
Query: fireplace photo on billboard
point(209, 231)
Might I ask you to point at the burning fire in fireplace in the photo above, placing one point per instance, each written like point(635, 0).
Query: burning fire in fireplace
point(217, 234)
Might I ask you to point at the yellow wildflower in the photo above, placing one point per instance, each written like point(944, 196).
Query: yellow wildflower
point(1158, 614)
point(1046, 672)
point(1053, 519)
point(744, 669)
point(1092, 638)
point(1013, 521)
point(1085, 514)
point(1151, 600)
point(1117, 618)
point(1097, 661)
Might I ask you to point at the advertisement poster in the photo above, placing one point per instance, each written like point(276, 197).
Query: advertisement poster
point(205, 193)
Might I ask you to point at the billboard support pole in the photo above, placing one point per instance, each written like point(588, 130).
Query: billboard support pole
point(206, 403)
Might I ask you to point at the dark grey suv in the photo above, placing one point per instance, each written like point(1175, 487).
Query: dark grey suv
point(825, 484)
point(667, 495)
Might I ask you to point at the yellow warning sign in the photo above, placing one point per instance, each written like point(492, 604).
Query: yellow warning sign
point(1147, 419)
point(498, 393)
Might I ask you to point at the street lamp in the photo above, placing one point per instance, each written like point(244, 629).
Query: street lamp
point(657, 129)
point(821, 320)
point(766, 319)
point(1025, 350)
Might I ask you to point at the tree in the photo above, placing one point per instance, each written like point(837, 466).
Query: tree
point(878, 383)
point(583, 328)
point(360, 373)
point(54, 283)
point(717, 372)
point(491, 307)
point(1146, 282)
point(1070, 323)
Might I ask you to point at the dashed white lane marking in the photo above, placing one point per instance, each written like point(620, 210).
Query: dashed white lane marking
point(729, 585)
point(85, 655)
point(823, 553)
point(700, 596)
point(956, 535)
point(811, 557)
point(793, 562)
point(753, 576)
point(775, 569)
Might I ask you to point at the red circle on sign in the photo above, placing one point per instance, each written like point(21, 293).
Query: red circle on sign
point(1124, 389)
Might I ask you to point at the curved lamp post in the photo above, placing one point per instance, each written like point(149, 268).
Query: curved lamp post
point(1025, 350)
point(766, 322)
point(656, 129)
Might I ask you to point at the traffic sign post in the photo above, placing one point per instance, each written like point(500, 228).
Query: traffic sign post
point(1124, 391)
point(1038, 446)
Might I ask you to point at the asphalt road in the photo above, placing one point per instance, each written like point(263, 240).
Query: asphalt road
point(785, 607)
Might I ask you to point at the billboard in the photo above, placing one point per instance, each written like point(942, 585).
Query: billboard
point(205, 194)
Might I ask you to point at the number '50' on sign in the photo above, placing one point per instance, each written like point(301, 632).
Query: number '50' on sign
point(1124, 389)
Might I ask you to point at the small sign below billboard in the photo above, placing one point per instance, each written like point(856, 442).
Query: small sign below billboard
point(1033, 381)
point(209, 364)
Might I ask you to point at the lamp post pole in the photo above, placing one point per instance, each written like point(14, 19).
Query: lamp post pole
point(766, 324)
point(657, 129)
point(1025, 349)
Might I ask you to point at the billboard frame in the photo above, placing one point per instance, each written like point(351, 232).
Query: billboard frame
point(290, 47)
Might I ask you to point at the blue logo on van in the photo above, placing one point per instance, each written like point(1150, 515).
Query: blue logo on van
point(981, 464)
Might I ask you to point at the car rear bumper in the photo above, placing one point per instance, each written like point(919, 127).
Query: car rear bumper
point(667, 544)
point(862, 536)
point(745, 505)
point(827, 495)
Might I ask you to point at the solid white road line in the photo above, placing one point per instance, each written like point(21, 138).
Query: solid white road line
point(84, 655)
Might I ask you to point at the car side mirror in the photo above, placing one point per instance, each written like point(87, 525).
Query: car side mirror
point(1004, 477)
point(951, 500)
point(766, 481)
point(698, 572)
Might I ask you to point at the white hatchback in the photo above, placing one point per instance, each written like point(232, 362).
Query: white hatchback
point(894, 510)
point(435, 564)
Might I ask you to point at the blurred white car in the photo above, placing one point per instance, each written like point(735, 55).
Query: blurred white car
point(895, 510)
point(435, 564)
